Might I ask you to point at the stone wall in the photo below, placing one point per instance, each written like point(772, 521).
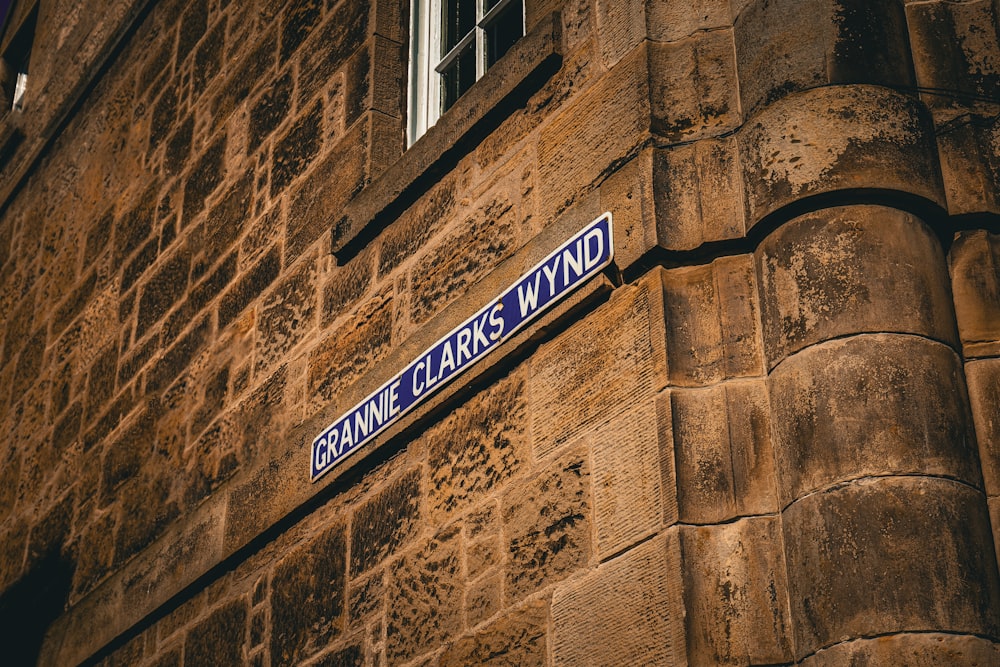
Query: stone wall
point(769, 434)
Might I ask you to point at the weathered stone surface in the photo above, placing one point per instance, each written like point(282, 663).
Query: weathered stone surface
point(249, 286)
point(207, 174)
point(970, 166)
point(267, 112)
point(633, 464)
point(975, 272)
point(581, 380)
point(420, 222)
point(296, 149)
point(834, 272)
point(712, 322)
point(620, 100)
point(298, 20)
point(984, 396)
point(547, 525)
point(735, 593)
point(476, 449)
point(427, 599)
point(621, 26)
point(164, 288)
point(385, 522)
point(308, 598)
point(635, 600)
point(914, 650)
point(870, 405)
point(693, 89)
point(220, 638)
point(346, 286)
point(483, 598)
point(477, 245)
point(889, 555)
point(352, 349)
point(698, 193)
point(834, 139)
point(955, 48)
point(788, 45)
point(724, 454)
point(287, 315)
point(670, 20)
point(514, 640)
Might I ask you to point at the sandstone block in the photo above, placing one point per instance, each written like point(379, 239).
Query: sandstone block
point(871, 405)
point(476, 449)
point(723, 451)
point(467, 252)
point(837, 138)
point(984, 398)
point(620, 100)
point(868, 559)
point(296, 149)
point(975, 282)
point(385, 522)
point(970, 166)
point(483, 598)
point(220, 638)
point(346, 286)
point(736, 594)
point(788, 45)
point(516, 639)
point(913, 650)
point(839, 271)
point(671, 20)
point(711, 320)
point(628, 194)
point(581, 379)
point(956, 48)
point(308, 598)
point(632, 467)
point(693, 89)
point(410, 232)
point(353, 348)
point(634, 601)
point(287, 315)
point(697, 190)
point(621, 26)
point(547, 525)
point(249, 286)
point(427, 598)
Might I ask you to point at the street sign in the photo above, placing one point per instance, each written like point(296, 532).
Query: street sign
point(567, 267)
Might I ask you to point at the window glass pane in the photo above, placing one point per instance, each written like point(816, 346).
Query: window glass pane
point(459, 77)
point(490, 4)
point(503, 31)
point(458, 19)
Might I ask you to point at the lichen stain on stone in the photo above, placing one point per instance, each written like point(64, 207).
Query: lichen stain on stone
point(816, 140)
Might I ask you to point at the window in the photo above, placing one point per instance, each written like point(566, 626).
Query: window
point(16, 56)
point(452, 44)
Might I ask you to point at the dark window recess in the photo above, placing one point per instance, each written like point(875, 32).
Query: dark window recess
point(15, 61)
point(505, 29)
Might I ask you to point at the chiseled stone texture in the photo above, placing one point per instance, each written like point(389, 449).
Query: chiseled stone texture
point(633, 477)
point(220, 638)
point(735, 593)
point(426, 598)
point(307, 597)
point(476, 449)
point(547, 525)
point(580, 380)
point(975, 273)
point(983, 377)
point(914, 650)
point(789, 45)
point(633, 600)
point(833, 139)
point(723, 452)
point(886, 555)
point(517, 639)
point(839, 271)
point(712, 322)
point(871, 405)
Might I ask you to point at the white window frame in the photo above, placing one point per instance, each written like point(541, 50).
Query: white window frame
point(427, 63)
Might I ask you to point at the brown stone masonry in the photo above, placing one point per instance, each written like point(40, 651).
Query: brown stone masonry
point(768, 434)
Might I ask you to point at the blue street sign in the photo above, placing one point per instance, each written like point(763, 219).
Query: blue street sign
point(586, 254)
